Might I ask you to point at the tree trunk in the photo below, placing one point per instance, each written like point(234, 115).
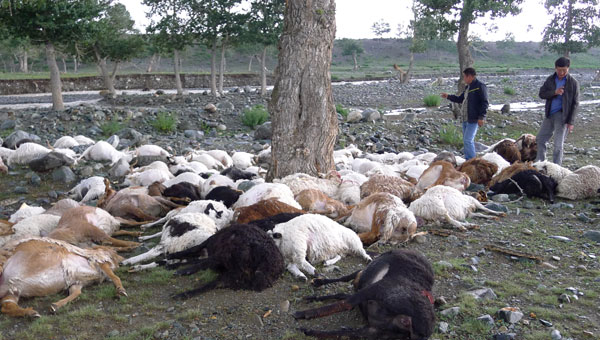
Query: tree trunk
point(176, 69)
point(24, 62)
point(114, 72)
point(304, 120)
point(263, 72)
point(101, 62)
point(464, 54)
point(222, 69)
point(250, 63)
point(568, 29)
point(355, 61)
point(75, 64)
point(410, 67)
point(151, 63)
point(213, 71)
point(55, 85)
point(64, 62)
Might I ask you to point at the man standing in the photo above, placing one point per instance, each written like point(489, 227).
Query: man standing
point(474, 107)
point(561, 92)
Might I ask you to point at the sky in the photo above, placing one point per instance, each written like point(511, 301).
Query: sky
point(354, 19)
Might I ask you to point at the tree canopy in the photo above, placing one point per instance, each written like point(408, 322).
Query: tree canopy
point(574, 28)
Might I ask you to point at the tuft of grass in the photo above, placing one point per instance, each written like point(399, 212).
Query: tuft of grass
point(432, 100)
point(341, 110)
point(157, 276)
point(509, 91)
point(6, 133)
point(111, 127)
point(450, 134)
point(164, 122)
point(255, 116)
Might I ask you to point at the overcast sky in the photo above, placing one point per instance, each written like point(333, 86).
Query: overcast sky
point(354, 19)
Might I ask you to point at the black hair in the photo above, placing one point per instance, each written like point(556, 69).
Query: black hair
point(562, 62)
point(469, 71)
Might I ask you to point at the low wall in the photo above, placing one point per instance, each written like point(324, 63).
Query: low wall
point(125, 82)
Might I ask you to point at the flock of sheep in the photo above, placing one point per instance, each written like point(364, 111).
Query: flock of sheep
point(217, 212)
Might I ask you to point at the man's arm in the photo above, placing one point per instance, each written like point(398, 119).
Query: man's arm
point(484, 101)
point(453, 98)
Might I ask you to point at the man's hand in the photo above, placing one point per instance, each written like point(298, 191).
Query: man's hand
point(444, 95)
point(480, 122)
point(559, 91)
point(569, 128)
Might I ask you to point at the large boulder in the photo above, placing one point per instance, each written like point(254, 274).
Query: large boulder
point(263, 131)
point(50, 161)
point(18, 137)
point(354, 116)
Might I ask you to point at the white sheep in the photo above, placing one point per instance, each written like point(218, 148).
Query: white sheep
point(83, 140)
point(349, 190)
point(36, 225)
point(189, 177)
point(242, 160)
point(181, 232)
point(87, 190)
point(553, 170)
point(147, 177)
point(26, 153)
point(215, 180)
point(300, 181)
point(264, 156)
point(496, 159)
point(363, 165)
point(350, 151)
point(104, 152)
point(267, 190)
point(221, 156)
point(25, 211)
point(310, 238)
point(442, 203)
point(151, 151)
point(574, 185)
point(209, 161)
point(66, 142)
point(427, 157)
point(5, 153)
point(156, 165)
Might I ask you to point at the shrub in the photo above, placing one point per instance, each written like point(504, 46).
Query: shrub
point(111, 127)
point(451, 134)
point(341, 110)
point(164, 122)
point(254, 116)
point(432, 100)
point(509, 90)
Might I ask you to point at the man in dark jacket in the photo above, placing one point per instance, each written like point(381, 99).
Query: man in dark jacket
point(561, 92)
point(474, 107)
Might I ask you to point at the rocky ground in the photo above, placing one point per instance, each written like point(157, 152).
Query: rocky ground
point(558, 297)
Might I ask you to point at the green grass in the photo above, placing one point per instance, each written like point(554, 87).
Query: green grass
point(341, 110)
point(255, 116)
point(6, 133)
point(111, 127)
point(509, 91)
point(432, 100)
point(450, 134)
point(164, 122)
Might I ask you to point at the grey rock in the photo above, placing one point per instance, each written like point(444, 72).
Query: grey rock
point(584, 218)
point(497, 207)
point(284, 306)
point(555, 335)
point(528, 204)
point(500, 198)
point(86, 171)
point(505, 108)
point(35, 180)
point(194, 134)
point(510, 316)
point(210, 108)
point(354, 116)
point(113, 333)
point(593, 235)
point(221, 127)
point(561, 205)
point(486, 319)
point(443, 327)
point(20, 190)
point(113, 140)
point(564, 298)
point(17, 136)
point(131, 134)
point(483, 294)
point(225, 106)
point(474, 187)
point(451, 312)
point(263, 131)
point(504, 336)
point(444, 264)
point(119, 169)
point(8, 124)
point(50, 161)
point(64, 175)
point(371, 115)
point(246, 185)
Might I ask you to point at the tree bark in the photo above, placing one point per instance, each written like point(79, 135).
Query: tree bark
point(213, 71)
point(177, 75)
point(23, 62)
point(410, 67)
point(304, 120)
point(355, 61)
point(250, 63)
point(222, 68)
point(464, 54)
point(568, 28)
point(108, 82)
point(75, 64)
point(55, 84)
point(263, 72)
point(64, 62)
point(151, 63)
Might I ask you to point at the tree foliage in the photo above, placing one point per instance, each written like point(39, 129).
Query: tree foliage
point(351, 46)
point(574, 26)
point(265, 22)
point(172, 31)
point(380, 28)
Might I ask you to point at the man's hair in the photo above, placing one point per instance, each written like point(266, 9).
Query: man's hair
point(469, 71)
point(562, 62)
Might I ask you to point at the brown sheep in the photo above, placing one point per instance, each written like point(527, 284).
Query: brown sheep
point(443, 173)
point(6, 228)
point(396, 186)
point(3, 168)
point(479, 170)
point(263, 209)
point(315, 201)
point(508, 150)
point(510, 171)
point(528, 147)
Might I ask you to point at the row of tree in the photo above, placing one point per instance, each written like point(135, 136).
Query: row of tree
point(102, 31)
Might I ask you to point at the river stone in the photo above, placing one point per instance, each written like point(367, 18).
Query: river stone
point(486, 319)
point(210, 108)
point(225, 106)
point(370, 115)
point(17, 136)
point(50, 161)
point(510, 316)
point(505, 108)
point(263, 131)
point(500, 198)
point(483, 294)
point(195, 134)
point(64, 175)
point(593, 235)
point(497, 207)
point(8, 124)
point(354, 116)
point(119, 169)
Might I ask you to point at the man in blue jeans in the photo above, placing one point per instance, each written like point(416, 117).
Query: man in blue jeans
point(474, 108)
point(561, 92)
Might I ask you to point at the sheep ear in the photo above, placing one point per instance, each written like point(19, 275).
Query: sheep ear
point(276, 235)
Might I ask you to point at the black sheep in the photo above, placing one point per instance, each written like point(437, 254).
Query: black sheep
point(183, 190)
point(533, 183)
point(244, 256)
point(270, 222)
point(224, 194)
point(393, 293)
point(234, 173)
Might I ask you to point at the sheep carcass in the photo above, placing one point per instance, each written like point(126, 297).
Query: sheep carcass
point(300, 181)
point(267, 190)
point(87, 190)
point(479, 170)
point(26, 153)
point(580, 184)
point(445, 204)
point(529, 182)
point(443, 173)
point(316, 202)
point(263, 209)
point(396, 186)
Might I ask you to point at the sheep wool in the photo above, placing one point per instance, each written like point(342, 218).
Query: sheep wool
point(267, 190)
point(26, 153)
point(580, 184)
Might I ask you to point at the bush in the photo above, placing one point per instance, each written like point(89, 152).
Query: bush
point(432, 100)
point(509, 90)
point(341, 110)
point(164, 122)
point(111, 127)
point(450, 134)
point(254, 116)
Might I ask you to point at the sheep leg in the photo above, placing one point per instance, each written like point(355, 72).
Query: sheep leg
point(149, 237)
point(457, 224)
point(475, 214)
point(11, 307)
point(130, 223)
point(482, 207)
point(140, 267)
point(150, 254)
point(120, 243)
point(307, 267)
point(105, 267)
point(321, 282)
point(333, 308)
point(74, 292)
point(293, 268)
point(340, 296)
point(196, 267)
point(138, 213)
point(190, 293)
point(127, 233)
point(333, 260)
point(159, 221)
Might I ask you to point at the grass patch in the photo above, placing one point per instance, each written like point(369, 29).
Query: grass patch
point(6, 133)
point(450, 134)
point(509, 91)
point(432, 100)
point(111, 127)
point(157, 275)
point(164, 122)
point(341, 110)
point(255, 116)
